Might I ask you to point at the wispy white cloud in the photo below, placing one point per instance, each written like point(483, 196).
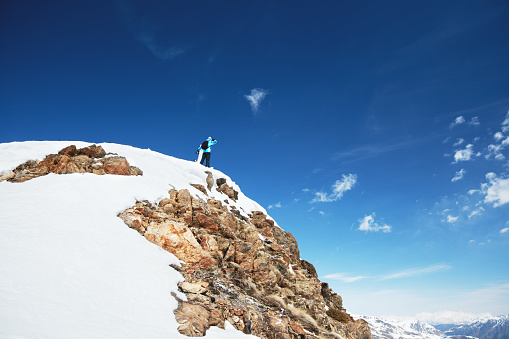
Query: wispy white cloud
point(495, 152)
point(505, 124)
point(451, 219)
point(255, 98)
point(491, 297)
point(145, 32)
point(346, 183)
point(478, 211)
point(344, 277)
point(159, 50)
point(373, 151)
point(504, 230)
point(458, 121)
point(417, 271)
point(459, 175)
point(498, 136)
point(483, 243)
point(474, 121)
point(368, 224)
point(445, 211)
point(277, 205)
point(458, 142)
point(406, 273)
point(468, 303)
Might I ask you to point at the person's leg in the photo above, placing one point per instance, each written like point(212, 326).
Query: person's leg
point(207, 156)
point(203, 156)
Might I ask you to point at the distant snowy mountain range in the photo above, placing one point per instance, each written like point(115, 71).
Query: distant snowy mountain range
point(482, 328)
point(398, 329)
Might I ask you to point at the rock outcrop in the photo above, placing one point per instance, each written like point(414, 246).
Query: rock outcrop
point(91, 159)
point(242, 269)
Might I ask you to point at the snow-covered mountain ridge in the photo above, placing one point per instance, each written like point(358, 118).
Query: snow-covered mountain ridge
point(74, 263)
point(400, 329)
point(481, 328)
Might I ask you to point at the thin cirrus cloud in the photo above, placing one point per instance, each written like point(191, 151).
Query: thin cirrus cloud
point(505, 123)
point(158, 50)
point(346, 183)
point(417, 272)
point(373, 151)
point(144, 31)
point(459, 142)
point(459, 175)
point(413, 272)
point(344, 277)
point(255, 98)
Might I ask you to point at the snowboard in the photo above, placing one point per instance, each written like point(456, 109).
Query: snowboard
point(200, 154)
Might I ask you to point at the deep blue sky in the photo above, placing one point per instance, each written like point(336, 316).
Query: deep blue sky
point(397, 104)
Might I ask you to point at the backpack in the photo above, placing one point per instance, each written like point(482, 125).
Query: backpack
point(205, 145)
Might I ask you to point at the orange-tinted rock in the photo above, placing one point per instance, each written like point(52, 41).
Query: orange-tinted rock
point(205, 221)
point(6, 176)
point(116, 165)
point(70, 160)
point(297, 328)
point(92, 151)
point(201, 188)
point(193, 319)
point(69, 150)
point(362, 330)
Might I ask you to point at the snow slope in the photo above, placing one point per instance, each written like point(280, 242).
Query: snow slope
point(70, 268)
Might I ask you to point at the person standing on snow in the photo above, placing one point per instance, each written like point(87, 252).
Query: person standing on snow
point(205, 148)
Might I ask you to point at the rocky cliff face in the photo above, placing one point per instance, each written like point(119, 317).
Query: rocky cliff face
point(245, 270)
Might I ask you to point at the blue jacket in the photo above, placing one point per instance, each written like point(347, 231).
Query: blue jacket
point(211, 143)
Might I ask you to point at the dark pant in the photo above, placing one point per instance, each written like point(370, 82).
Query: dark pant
point(205, 155)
